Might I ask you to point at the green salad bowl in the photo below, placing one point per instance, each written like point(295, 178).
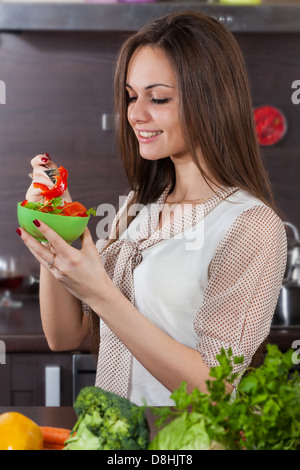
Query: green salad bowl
point(69, 228)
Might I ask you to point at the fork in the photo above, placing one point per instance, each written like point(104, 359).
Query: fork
point(52, 172)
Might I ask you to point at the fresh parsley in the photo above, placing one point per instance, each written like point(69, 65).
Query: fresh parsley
point(56, 206)
point(265, 415)
point(91, 211)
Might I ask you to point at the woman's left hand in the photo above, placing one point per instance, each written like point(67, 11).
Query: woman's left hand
point(81, 271)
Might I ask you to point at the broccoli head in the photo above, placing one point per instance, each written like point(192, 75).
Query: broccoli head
point(108, 422)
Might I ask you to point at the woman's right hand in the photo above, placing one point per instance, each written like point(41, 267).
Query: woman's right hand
point(40, 163)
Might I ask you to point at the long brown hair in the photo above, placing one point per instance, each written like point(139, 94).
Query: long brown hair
point(215, 112)
point(215, 109)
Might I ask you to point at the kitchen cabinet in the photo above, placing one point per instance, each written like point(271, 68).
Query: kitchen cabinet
point(45, 379)
point(31, 368)
point(23, 378)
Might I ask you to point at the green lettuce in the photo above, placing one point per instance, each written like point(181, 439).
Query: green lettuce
point(187, 432)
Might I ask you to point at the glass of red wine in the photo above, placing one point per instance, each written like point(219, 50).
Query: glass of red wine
point(11, 277)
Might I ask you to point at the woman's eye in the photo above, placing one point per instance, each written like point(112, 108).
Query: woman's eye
point(161, 101)
point(131, 99)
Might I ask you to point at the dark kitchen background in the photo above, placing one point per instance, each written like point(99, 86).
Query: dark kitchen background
point(57, 61)
point(59, 86)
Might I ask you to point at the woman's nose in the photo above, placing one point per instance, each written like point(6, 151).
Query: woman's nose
point(137, 112)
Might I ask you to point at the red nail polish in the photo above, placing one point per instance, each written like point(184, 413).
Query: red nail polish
point(36, 223)
point(47, 155)
point(45, 159)
point(19, 232)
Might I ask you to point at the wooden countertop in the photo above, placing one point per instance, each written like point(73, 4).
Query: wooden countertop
point(61, 416)
point(21, 328)
point(284, 337)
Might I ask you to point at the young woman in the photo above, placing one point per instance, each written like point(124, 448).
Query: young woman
point(171, 287)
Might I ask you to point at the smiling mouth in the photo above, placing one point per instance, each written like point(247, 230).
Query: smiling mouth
point(148, 134)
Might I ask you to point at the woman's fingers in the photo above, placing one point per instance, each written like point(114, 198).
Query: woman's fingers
point(41, 252)
point(58, 244)
point(42, 159)
point(80, 271)
point(42, 178)
point(39, 164)
point(44, 254)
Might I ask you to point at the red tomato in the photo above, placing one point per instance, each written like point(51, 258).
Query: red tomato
point(47, 209)
point(74, 209)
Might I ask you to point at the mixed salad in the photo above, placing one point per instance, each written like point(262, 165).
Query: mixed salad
point(52, 202)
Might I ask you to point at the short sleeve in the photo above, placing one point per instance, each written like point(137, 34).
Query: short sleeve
point(245, 277)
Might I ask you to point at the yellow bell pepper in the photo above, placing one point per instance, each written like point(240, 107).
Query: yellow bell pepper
point(17, 432)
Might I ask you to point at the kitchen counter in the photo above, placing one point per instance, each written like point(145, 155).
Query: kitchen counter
point(21, 330)
point(284, 337)
point(62, 416)
point(29, 357)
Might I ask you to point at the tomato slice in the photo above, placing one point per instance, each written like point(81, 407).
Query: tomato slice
point(74, 209)
point(47, 209)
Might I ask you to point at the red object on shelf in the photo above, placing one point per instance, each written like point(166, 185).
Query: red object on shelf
point(270, 125)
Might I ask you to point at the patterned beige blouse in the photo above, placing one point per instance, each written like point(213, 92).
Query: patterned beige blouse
point(230, 254)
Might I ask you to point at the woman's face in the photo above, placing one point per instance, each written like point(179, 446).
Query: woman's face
point(153, 105)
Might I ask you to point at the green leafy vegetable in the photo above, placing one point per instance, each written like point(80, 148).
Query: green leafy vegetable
point(189, 431)
point(55, 206)
point(108, 422)
point(38, 206)
point(91, 211)
point(271, 397)
point(265, 415)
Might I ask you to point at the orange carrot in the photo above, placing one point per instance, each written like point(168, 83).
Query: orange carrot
point(48, 446)
point(55, 436)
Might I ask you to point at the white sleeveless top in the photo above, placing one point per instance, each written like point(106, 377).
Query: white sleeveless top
point(216, 286)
